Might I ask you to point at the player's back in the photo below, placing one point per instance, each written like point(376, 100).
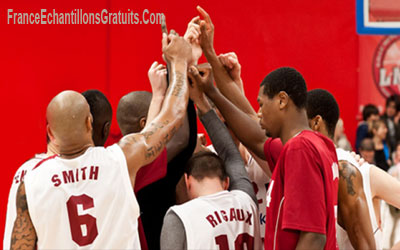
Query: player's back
point(224, 220)
point(342, 236)
point(86, 202)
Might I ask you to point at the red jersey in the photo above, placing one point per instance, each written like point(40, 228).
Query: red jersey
point(152, 172)
point(302, 195)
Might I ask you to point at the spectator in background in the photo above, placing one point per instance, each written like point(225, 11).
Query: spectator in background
point(391, 119)
point(370, 113)
point(382, 153)
point(340, 137)
point(395, 169)
point(367, 151)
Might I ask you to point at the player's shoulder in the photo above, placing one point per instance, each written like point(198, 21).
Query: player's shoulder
point(311, 138)
point(242, 196)
point(344, 155)
point(32, 162)
point(27, 167)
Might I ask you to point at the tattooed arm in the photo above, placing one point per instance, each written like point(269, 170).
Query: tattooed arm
point(353, 214)
point(24, 234)
point(142, 148)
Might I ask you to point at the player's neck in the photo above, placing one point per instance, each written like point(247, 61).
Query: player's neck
point(73, 151)
point(208, 186)
point(296, 122)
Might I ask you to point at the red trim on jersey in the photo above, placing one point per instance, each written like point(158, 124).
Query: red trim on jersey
point(40, 162)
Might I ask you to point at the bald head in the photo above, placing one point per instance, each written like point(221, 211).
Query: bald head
point(69, 120)
point(132, 109)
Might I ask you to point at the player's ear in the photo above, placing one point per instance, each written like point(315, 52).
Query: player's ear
point(142, 122)
point(187, 182)
point(316, 123)
point(50, 133)
point(89, 122)
point(283, 98)
point(106, 130)
point(225, 183)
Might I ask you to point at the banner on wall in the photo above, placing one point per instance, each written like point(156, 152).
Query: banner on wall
point(379, 70)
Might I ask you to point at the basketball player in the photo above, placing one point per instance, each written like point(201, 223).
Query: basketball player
point(97, 101)
point(134, 111)
point(18, 178)
point(296, 217)
point(84, 196)
point(214, 218)
point(101, 110)
point(378, 185)
point(354, 229)
point(231, 84)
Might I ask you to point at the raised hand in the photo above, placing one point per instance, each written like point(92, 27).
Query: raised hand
point(232, 65)
point(202, 77)
point(192, 35)
point(176, 48)
point(158, 78)
point(207, 32)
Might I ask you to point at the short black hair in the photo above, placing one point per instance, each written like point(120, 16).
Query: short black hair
point(393, 98)
point(367, 144)
point(131, 108)
point(321, 102)
point(101, 110)
point(369, 109)
point(289, 80)
point(206, 164)
point(100, 107)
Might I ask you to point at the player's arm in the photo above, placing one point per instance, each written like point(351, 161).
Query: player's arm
point(225, 83)
point(142, 148)
point(222, 140)
point(158, 80)
point(23, 234)
point(173, 235)
point(384, 186)
point(311, 241)
point(246, 129)
point(353, 214)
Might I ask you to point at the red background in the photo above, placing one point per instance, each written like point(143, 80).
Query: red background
point(38, 61)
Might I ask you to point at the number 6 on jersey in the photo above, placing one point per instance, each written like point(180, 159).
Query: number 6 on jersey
point(83, 227)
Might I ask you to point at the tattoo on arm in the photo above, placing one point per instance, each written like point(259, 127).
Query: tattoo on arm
point(24, 234)
point(347, 173)
point(154, 127)
point(179, 83)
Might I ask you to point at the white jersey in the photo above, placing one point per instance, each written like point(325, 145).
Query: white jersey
point(260, 183)
point(11, 207)
point(342, 237)
point(86, 202)
point(220, 221)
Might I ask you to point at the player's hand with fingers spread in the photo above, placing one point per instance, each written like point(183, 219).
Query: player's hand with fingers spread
point(158, 78)
point(232, 65)
point(192, 35)
point(176, 48)
point(207, 32)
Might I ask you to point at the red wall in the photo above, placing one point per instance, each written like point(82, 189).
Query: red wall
point(36, 62)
